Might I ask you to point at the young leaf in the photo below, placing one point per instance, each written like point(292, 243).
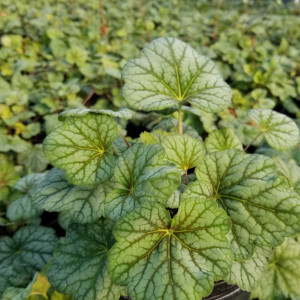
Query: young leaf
point(290, 172)
point(171, 125)
point(160, 258)
point(280, 131)
point(81, 147)
point(79, 265)
point(169, 72)
point(262, 211)
point(281, 279)
point(183, 150)
point(83, 204)
point(79, 112)
point(28, 251)
point(22, 208)
point(246, 273)
point(144, 176)
point(222, 139)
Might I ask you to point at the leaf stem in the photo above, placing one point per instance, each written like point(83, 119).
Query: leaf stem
point(250, 144)
point(180, 118)
point(123, 136)
point(186, 178)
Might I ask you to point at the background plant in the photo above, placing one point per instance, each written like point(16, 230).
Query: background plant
point(38, 82)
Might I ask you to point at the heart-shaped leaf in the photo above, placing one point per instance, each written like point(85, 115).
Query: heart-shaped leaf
point(290, 173)
point(79, 265)
point(281, 279)
point(246, 273)
point(261, 209)
point(183, 150)
point(81, 147)
point(280, 131)
point(162, 258)
point(24, 254)
point(83, 204)
point(22, 208)
point(222, 139)
point(144, 176)
point(79, 112)
point(169, 72)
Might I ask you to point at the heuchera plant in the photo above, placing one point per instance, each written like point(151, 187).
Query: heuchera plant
point(165, 215)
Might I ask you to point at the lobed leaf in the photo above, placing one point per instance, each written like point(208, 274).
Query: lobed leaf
point(169, 72)
point(79, 265)
point(144, 176)
point(281, 279)
point(261, 209)
point(23, 254)
point(280, 131)
point(183, 150)
point(222, 139)
point(83, 204)
point(22, 208)
point(81, 147)
point(247, 273)
point(79, 112)
point(160, 258)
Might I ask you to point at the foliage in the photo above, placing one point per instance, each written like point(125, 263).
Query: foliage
point(160, 201)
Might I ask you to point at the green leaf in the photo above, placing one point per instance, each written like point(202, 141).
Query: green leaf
point(290, 173)
point(222, 139)
point(83, 204)
point(22, 208)
point(171, 125)
point(261, 209)
point(246, 273)
point(281, 279)
point(81, 147)
point(8, 176)
point(79, 265)
point(280, 131)
point(12, 143)
point(162, 258)
point(58, 48)
point(33, 159)
point(169, 72)
point(27, 252)
point(79, 112)
point(144, 176)
point(31, 130)
point(183, 150)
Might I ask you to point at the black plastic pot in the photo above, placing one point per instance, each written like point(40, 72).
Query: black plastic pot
point(222, 291)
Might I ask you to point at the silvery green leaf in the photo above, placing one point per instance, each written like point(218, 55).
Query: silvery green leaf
point(260, 207)
point(81, 147)
point(79, 265)
point(281, 279)
point(157, 257)
point(24, 254)
point(84, 204)
point(79, 112)
point(247, 273)
point(280, 131)
point(144, 176)
point(22, 208)
point(169, 72)
point(290, 172)
point(222, 139)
